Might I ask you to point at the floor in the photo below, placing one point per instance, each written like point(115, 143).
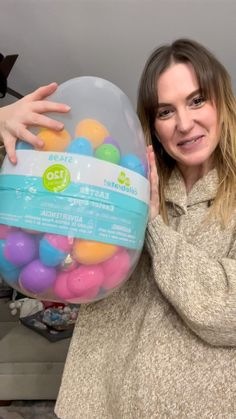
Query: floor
point(28, 410)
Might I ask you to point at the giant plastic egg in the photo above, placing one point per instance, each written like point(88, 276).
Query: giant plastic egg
point(74, 213)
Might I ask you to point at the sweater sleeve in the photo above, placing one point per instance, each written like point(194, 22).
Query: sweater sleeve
point(201, 289)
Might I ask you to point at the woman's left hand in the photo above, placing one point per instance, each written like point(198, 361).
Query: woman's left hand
point(29, 111)
point(154, 182)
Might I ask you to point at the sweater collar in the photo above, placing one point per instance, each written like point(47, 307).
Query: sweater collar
point(203, 190)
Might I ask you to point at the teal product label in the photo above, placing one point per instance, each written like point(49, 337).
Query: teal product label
point(81, 197)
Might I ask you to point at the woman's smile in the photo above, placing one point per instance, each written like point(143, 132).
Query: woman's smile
point(189, 144)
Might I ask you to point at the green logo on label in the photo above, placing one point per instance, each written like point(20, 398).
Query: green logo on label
point(123, 180)
point(56, 178)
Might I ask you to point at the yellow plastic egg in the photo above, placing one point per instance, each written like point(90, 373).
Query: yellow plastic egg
point(54, 140)
point(93, 130)
point(91, 252)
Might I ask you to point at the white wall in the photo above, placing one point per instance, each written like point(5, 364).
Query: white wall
point(61, 39)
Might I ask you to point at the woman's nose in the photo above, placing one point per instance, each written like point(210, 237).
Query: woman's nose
point(184, 121)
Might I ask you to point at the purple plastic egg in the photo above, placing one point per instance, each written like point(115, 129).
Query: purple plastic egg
point(20, 248)
point(110, 140)
point(37, 278)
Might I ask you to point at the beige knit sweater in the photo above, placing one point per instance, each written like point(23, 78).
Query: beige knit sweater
point(164, 344)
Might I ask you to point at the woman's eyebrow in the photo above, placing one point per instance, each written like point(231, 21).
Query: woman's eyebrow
point(190, 96)
point(194, 93)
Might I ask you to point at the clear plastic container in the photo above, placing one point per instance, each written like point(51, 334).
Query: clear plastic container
point(73, 215)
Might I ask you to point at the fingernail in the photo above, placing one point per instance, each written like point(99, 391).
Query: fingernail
point(13, 160)
point(67, 107)
point(40, 143)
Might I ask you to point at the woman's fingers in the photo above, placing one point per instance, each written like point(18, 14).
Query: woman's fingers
point(30, 138)
point(10, 146)
point(37, 101)
point(154, 191)
point(43, 106)
point(36, 119)
point(19, 132)
point(41, 93)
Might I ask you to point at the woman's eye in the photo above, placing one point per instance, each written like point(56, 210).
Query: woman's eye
point(198, 101)
point(162, 114)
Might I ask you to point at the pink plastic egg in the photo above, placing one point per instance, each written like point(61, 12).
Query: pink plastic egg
point(115, 269)
point(4, 230)
point(85, 281)
point(60, 287)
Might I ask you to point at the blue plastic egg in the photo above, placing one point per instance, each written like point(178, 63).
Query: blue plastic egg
point(80, 146)
point(132, 162)
point(50, 255)
point(8, 270)
point(22, 145)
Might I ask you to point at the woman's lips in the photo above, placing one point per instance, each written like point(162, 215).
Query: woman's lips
point(188, 142)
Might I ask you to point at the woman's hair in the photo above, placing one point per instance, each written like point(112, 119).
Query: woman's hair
point(215, 85)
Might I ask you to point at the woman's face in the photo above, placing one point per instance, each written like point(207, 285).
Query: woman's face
point(186, 123)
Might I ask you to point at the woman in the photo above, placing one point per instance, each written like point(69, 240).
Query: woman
point(163, 345)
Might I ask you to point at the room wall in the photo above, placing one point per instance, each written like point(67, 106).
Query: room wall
point(60, 39)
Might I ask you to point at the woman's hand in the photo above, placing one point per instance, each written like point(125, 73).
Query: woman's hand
point(154, 181)
point(28, 111)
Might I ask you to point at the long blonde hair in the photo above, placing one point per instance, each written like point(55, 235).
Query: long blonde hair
point(215, 85)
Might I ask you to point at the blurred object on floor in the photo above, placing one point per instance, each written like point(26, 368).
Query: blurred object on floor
point(29, 410)
point(5, 290)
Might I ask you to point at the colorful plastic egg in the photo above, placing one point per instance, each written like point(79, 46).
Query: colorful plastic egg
point(90, 252)
point(108, 152)
point(49, 255)
point(36, 277)
point(8, 270)
point(132, 162)
point(54, 140)
point(93, 130)
point(22, 145)
point(11, 276)
point(85, 281)
point(110, 140)
point(60, 242)
point(80, 146)
point(53, 249)
point(60, 287)
point(5, 230)
point(20, 248)
point(116, 269)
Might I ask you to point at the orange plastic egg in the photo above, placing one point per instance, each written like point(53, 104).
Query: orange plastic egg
point(54, 140)
point(93, 130)
point(90, 252)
